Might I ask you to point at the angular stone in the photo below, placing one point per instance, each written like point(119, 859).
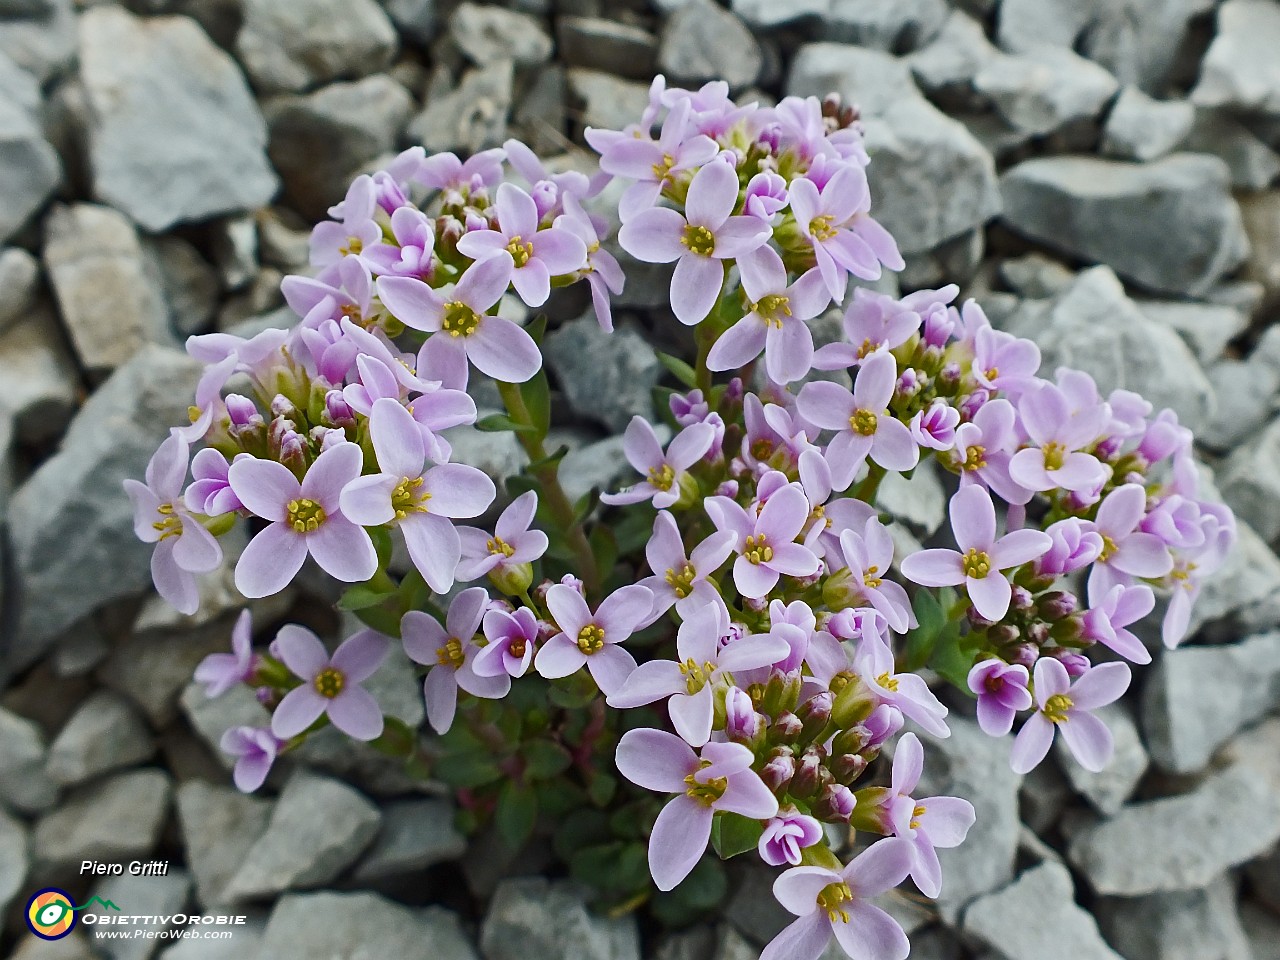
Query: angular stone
point(416, 19)
point(244, 943)
point(486, 33)
point(1263, 930)
point(470, 118)
point(105, 295)
point(69, 521)
point(946, 67)
point(1170, 225)
point(1250, 481)
point(763, 15)
point(1188, 925)
point(163, 83)
point(308, 926)
point(13, 857)
point(210, 719)
point(1253, 164)
point(219, 827)
point(920, 501)
point(111, 820)
point(318, 828)
point(1262, 223)
point(42, 42)
point(29, 167)
point(320, 141)
point(1140, 128)
point(415, 835)
point(24, 785)
point(145, 896)
point(1238, 70)
point(1109, 789)
point(1206, 327)
point(703, 41)
point(1264, 877)
point(105, 733)
point(533, 917)
point(1045, 91)
point(1245, 588)
point(290, 47)
point(41, 381)
point(872, 80)
point(595, 43)
point(1061, 930)
point(73, 947)
point(19, 283)
point(606, 377)
point(898, 26)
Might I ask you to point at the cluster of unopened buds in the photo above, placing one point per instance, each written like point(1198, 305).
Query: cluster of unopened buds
point(763, 638)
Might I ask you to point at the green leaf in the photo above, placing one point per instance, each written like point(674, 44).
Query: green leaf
point(500, 422)
point(732, 834)
point(516, 813)
point(380, 618)
point(921, 641)
point(381, 537)
point(604, 546)
point(467, 770)
point(953, 655)
point(602, 789)
point(397, 738)
point(697, 894)
point(550, 459)
point(611, 868)
point(537, 328)
point(544, 759)
point(537, 398)
point(679, 369)
point(361, 596)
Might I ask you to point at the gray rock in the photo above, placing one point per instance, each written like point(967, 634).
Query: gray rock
point(1244, 391)
point(69, 521)
point(1237, 71)
point(358, 925)
point(29, 167)
point(284, 240)
point(946, 67)
point(235, 251)
point(111, 820)
point(763, 15)
point(1206, 327)
point(607, 377)
point(1109, 790)
point(1170, 225)
point(1263, 930)
point(144, 896)
point(892, 25)
point(321, 140)
point(1035, 276)
point(43, 42)
point(24, 785)
point(498, 454)
point(602, 464)
point(1044, 795)
point(470, 118)
point(1245, 588)
point(607, 101)
point(533, 917)
point(1147, 847)
point(702, 41)
point(1060, 930)
point(1045, 90)
point(1188, 925)
point(415, 835)
point(13, 857)
point(19, 282)
point(873, 80)
point(163, 83)
point(105, 733)
point(107, 300)
point(1250, 483)
point(1253, 164)
point(188, 282)
point(1140, 128)
point(73, 947)
point(41, 382)
point(595, 43)
point(1094, 327)
point(244, 943)
point(318, 828)
point(210, 719)
point(920, 501)
point(290, 47)
point(1245, 678)
point(1264, 877)
point(972, 765)
point(416, 19)
point(1261, 213)
point(219, 827)
point(485, 34)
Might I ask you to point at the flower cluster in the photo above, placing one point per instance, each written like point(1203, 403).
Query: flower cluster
point(756, 626)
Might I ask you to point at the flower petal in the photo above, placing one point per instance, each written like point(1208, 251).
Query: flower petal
point(356, 713)
point(678, 840)
point(655, 760)
point(270, 561)
point(300, 708)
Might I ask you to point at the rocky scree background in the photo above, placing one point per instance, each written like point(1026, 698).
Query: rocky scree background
point(1101, 172)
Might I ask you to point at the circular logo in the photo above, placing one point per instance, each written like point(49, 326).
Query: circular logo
point(50, 914)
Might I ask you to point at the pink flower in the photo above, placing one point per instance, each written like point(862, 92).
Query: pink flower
point(666, 474)
point(830, 903)
point(1001, 361)
point(210, 491)
point(1127, 552)
point(868, 554)
point(304, 518)
point(422, 502)
point(538, 255)
point(1111, 612)
point(678, 580)
point(511, 637)
point(255, 750)
point(926, 824)
point(862, 421)
point(512, 542)
point(786, 835)
point(330, 685)
point(594, 640)
point(413, 253)
point(451, 651)
point(461, 323)
point(1058, 433)
point(700, 239)
point(603, 274)
point(720, 779)
point(936, 427)
point(1002, 691)
point(982, 559)
point(765, 541)
point(906, 693)
point(1063, 706)
point(873, 322)
point(354, 229)
point(222, 671)
point(983, 448)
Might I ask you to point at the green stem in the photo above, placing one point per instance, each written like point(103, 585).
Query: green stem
point(870, 486)
point(706, 338)
point(553, 496)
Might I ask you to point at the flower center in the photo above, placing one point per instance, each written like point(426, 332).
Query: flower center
point(1054, 455)
point(975, 458)
point(823, 228)
point(681, 581)
point(758, 550)
point(863, 422)
point(499, 546)
point(870, 578)
point(405, 498)
point(699, 240)
point(662, 477)
point(888, 682)
point(517, 646)
point(591, 639)
point(305, 516)
point(170, 524)
point(459, 319)
point(1057, 707)
point(772, 309)
point(830, 899)
point(975, 563)
point(354, 245)
point(840, 681)
point(1108, 549)
point(662, 169)
point(868, 347)
point(521, 250)
point(705, 793)
point(696, 676)
point(329, 682)
point(992, 373)
point(993, 684)
point(916, 814)
point(450, 655)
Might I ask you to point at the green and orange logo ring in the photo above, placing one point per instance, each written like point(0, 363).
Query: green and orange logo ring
point(51, 914)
